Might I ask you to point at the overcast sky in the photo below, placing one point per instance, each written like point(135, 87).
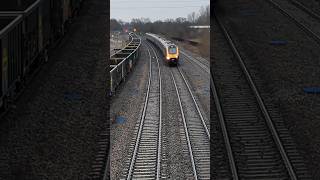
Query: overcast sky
point(154, 9)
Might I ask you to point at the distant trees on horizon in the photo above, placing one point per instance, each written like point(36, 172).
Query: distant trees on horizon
point(172, 27)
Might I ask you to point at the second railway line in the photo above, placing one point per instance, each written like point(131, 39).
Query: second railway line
point(302, 16)
point(193, 121)
point(144, 162)
point(256, 143)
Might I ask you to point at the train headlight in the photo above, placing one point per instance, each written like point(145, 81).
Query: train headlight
point(168, 57)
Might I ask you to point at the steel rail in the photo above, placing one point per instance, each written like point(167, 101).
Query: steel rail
point(203, 66)
point(207, 70)
point(195, 174)
point(225, 134)
point(305, 9)
point(184, 119)
point(189, 89)
point(133, 159)
point(160, 119)
point(106, 174)
point(302, 26)
point(195, 103)
point(265, 113)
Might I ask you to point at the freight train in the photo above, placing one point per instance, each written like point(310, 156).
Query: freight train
point(169, 50)
point(28, 28)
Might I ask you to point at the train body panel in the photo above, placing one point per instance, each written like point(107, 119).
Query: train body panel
point(35, 36)
point(169, 50)
point(62, 11)
point(11, 53)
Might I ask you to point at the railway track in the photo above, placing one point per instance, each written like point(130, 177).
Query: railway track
point(305, 9)
point(201, 63)
point(220, 169)
point(257, 145)
point(196, 131)
point(302, 16)
point(145, 160)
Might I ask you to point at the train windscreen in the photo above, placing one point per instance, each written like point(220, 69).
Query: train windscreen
point(172, 50)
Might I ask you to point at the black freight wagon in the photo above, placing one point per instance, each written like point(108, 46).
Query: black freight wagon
point(61, 12)
point(38, 24)
point(10, 55)
point(36, 33)
point(44, 22)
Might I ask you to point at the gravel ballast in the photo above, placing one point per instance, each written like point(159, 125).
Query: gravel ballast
point(52, 130)
point(284, 69)
point(128, 103)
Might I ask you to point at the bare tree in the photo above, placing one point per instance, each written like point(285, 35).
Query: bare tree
point(178, 27)
point(115, 25)
point(192, 17)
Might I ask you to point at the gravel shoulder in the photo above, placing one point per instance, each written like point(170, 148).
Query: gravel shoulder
point(199, 82)
point(52, 131)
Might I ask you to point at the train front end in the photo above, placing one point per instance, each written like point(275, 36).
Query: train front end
point(172, 55)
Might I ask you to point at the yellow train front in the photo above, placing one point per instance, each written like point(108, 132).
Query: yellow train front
point(169, 50)
point(172, 53)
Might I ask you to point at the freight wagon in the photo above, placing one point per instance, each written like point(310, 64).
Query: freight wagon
point(10, 55)
point(28, 28)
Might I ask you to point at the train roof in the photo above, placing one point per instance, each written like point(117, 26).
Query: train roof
point(164, 41)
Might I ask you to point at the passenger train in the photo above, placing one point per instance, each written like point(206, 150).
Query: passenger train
point(168, 49)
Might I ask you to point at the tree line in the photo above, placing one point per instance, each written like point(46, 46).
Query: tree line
point(171, 27)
